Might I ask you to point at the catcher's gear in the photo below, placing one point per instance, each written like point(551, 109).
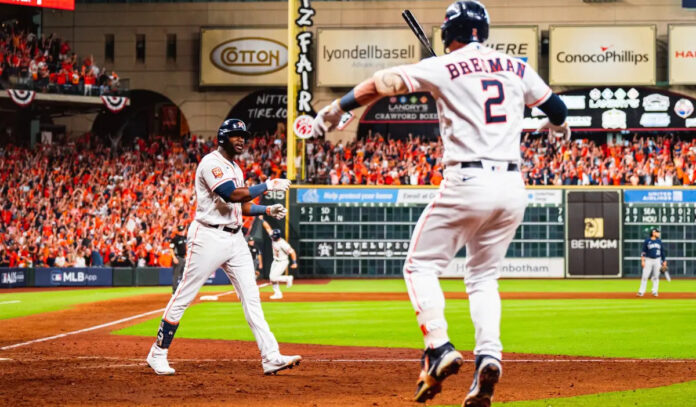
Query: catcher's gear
point(465, 21)
point(277, 211)
point(275, 234)
point(231, 127)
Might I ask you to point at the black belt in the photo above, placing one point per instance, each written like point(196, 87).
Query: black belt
point(479, 164)
point(223, 228)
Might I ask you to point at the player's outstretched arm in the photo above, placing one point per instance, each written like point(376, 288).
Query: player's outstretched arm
point(230, 193)
point(267, 228)
point(383, 83)
point(293, 258)
point(275, 210)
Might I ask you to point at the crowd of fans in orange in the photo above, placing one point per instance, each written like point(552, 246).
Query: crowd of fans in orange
point(89, 204)
point(48, 64)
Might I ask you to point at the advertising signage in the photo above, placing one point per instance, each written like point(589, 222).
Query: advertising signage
point(682, 54)
point(622, 108)
point(599, 55)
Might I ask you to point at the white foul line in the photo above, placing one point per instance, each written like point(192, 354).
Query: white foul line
point(9, 302)
point(79, 331)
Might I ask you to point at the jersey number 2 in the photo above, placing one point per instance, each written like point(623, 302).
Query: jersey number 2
point(492, 101)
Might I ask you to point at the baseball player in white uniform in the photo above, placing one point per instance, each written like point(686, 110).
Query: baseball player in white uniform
point(281, 251)
point(480, 94)
point(214, 241)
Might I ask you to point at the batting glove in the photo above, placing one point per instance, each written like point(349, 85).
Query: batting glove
point(277, 211)
point(559, 131)
point(278, 184)
point(327, 119)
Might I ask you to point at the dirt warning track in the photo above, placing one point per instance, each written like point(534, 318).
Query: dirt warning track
point(94, 367)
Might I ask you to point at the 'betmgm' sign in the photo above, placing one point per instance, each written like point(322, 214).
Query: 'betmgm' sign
point(594, 241)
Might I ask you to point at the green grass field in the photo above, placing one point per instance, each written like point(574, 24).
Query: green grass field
point(630, 328)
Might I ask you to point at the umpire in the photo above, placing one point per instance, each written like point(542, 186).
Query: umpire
point(652, 259)
point(178, 247)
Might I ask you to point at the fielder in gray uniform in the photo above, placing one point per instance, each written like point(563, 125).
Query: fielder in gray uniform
point(652, 260)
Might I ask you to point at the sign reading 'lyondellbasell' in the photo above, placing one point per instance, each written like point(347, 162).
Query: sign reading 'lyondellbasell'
point(602, 55)
point(682, 54)
point(248, 56)
point(520, 42)
point(347, 56)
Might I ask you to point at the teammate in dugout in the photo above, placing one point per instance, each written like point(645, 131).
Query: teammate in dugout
point(214, 241)
point(281, 251)
point(652, 261)
point(480, 94)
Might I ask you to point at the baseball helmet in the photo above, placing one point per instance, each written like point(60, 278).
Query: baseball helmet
point(275, 234)
point(465, 21)
point(231, 127)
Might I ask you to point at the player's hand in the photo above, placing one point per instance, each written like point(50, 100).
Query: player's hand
point(642, 264)
point(327, 119)
point(278, 184)
point(293, 266)
point(559, 131)
point(277, 211)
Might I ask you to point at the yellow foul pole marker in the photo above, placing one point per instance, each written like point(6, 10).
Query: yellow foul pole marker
point(292, 88)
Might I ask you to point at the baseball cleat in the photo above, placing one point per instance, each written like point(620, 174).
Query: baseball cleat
point(436, 365)
point(654, 294)
point(487, 374)
point(289, 282)
point(277, 296)
point(639, 294)
point(157, 359)
point(279, 363)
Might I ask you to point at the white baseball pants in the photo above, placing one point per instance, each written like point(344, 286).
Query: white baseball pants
point(480, 209)
point(207, 250)
point(650, 271)
point(278, 267)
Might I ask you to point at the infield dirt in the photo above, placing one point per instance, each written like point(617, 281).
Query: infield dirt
point(96, 368)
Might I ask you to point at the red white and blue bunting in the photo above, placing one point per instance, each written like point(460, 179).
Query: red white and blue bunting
point(22, 98)
point(114, 103)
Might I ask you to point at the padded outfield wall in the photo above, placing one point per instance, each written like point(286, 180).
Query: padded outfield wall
point(574, 233)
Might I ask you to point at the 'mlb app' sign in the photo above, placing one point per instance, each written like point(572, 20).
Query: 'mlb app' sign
point(602, 55)
point(243, 57)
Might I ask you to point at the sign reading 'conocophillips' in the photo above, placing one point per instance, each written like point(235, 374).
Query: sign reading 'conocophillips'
point(243, 57)
point(347, 56)
point(601, 55)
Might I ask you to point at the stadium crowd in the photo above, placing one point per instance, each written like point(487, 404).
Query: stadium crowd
point(48, 64)
point(90, 203)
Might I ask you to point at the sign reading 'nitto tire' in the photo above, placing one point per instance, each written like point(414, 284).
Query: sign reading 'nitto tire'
point(594, 233)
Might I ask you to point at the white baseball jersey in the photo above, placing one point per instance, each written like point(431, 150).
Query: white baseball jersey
point(480, 94)
point(213, 171)
point(281, 249)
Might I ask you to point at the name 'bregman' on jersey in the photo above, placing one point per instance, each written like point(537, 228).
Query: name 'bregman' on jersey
point(480, 94)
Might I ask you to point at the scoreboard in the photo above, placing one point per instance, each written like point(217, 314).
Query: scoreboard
point(674, 213)
point(366, 231)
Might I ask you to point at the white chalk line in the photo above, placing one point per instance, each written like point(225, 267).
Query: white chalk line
point(79, 331)
point(92, 328)
point(393, 360)
point(9, 302)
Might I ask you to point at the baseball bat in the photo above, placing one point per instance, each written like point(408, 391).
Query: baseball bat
point(417, 30)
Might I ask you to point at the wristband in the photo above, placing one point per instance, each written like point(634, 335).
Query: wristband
point(256, 190)
point(348, 101)
point(293, 261)
point(258, 210)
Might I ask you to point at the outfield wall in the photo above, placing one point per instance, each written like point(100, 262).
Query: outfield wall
point(573, 232)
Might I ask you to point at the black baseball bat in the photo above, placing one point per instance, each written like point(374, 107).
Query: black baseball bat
point(417, 30)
